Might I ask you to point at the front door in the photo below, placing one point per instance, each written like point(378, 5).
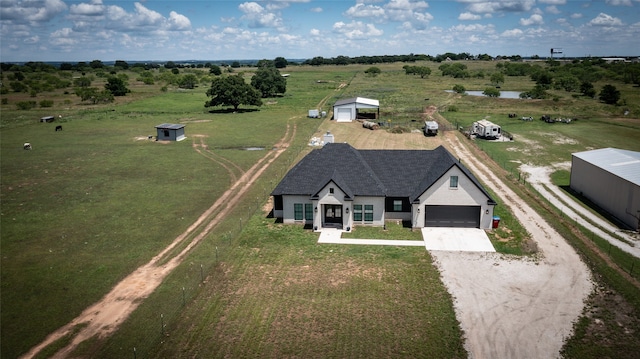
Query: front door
point(332, 215)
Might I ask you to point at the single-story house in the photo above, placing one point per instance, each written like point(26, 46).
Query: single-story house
point(170, 132)
point(346, 110)
point(339, 186)
point(610, 178)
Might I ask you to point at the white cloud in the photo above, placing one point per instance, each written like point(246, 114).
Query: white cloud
point(605, 20)
point(316, 9)
point(469, 16)
point(553, 2)
point(534, 19)
point(314, 32)
point(362, 10)
point(31, 11)
point(95, 8)
point(500, 6)
point(576, 16)
point(410, 13)
point(178, 22)
point(258, 16)
point(619, 2)
point(356, 30)
point(552, 10)
point(513, 33)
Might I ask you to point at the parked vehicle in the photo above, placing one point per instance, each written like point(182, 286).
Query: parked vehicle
point(430, 128)
point(486, 129)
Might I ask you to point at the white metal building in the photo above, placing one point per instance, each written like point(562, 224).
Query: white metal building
point(346, 110)
point(610, 178)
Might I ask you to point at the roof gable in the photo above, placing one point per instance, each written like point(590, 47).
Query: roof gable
point(365, 102)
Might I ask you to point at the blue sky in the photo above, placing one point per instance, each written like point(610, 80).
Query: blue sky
point(58, 30)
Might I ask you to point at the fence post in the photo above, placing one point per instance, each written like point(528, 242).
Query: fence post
point(162, 324)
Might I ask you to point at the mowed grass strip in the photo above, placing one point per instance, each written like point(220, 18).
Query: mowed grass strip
point(282, 295)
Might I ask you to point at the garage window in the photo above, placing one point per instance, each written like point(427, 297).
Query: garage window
point(453, 182)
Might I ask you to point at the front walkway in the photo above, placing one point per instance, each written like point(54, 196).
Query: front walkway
point(435, 239)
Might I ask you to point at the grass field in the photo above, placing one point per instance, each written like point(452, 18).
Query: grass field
point(90, 204)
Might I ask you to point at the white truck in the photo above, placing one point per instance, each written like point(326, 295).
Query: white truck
point(486, 129)
point(430, 128)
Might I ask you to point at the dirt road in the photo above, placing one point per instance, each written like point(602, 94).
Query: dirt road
point(511, 307)
point(104, 317)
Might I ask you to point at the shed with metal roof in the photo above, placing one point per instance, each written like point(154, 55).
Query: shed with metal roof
point(170, 132)
point(610, 178)
point(347, 110)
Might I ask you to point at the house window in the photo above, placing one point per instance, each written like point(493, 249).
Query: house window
point(357, 212)
point(331, 190)
point(297, 211)
point(453, 182)
point(308, 211)
point(368, 213)
point(397, 205)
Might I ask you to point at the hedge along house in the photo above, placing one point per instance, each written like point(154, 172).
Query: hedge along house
point(610, 178)
point(341, 187)
point(170, 132)
point(347, 110)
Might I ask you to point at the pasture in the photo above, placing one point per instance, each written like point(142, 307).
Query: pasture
point(91, 203)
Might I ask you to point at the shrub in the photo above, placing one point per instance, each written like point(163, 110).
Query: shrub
point(46, 103)
point(26, 105)
point(458, 89)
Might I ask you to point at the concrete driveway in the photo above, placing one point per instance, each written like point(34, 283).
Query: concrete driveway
point(456, 239)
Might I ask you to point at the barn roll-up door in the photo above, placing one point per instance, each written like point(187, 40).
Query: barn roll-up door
point(344, 114)
point(452, 216)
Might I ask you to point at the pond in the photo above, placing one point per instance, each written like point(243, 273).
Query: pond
point(503, 94)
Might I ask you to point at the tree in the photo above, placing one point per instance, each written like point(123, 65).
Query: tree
point(188, 81)
point(117, 86)
point(609, 94)
point(372, 71)
point(121, 64)
point(232, 91)
point(215, 70)
point(491, 92)
point(96, 64)
point(459, 89)
point(587, 89)
point(497, 78)
point(269, 82)
point(280, 62)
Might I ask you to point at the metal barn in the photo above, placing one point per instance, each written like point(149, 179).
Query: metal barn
point(346, 110)
point(610, 178)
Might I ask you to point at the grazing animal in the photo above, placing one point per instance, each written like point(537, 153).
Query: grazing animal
point(58, 128)
point(27, 146)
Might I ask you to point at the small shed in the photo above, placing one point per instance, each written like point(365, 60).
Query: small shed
point(170, 132)
point(347, 110)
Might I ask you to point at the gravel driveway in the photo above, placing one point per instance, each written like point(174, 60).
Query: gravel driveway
point(510, 307)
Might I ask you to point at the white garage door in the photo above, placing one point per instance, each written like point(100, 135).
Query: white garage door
point(344, 114)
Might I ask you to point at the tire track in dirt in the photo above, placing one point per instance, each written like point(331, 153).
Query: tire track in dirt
point(203, 149)
point(105, 316)
point(511, 307)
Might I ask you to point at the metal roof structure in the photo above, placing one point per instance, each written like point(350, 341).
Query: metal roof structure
point(622, 163)
point(361, 102)
point(170, 126)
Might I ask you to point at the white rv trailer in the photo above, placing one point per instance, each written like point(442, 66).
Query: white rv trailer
point(430, 128)
point(486, 129)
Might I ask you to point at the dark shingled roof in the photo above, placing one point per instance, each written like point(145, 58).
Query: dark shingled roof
point(381, 173)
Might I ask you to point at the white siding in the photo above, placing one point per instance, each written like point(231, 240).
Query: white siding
point(287, 207)
point(466, 194)
point(378, 210)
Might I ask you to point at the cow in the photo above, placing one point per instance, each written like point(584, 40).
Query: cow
point(27, 146)
point(512, 115)
point(58, 128)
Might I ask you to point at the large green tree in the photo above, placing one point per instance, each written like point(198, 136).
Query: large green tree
point(609, 94)
point(117, 86)
point(232, 91)
point(269, 82)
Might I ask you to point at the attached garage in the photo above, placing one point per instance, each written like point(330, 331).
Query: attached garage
point(452, 216)
point(343, 115)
